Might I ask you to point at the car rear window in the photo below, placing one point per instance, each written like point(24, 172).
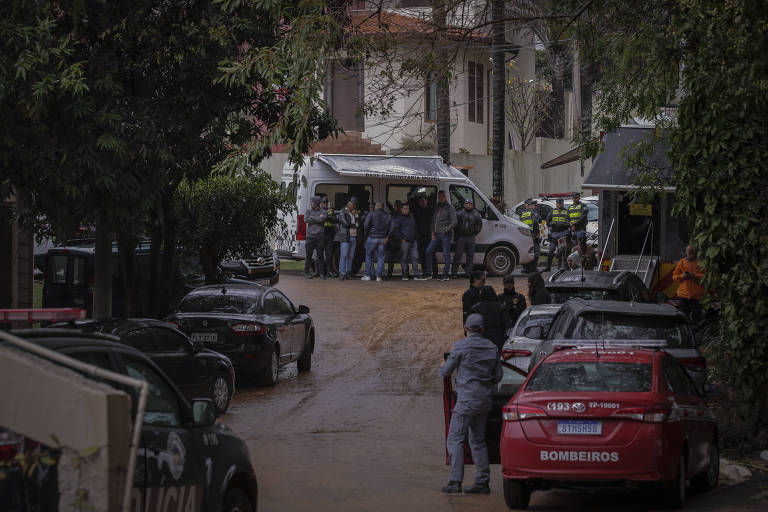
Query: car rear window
point(56, 269)
point(218, 304)
point(561, 295)
point(612, 326)
point(591, 376)
point(544, 321)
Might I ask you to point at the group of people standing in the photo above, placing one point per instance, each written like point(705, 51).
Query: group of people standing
point(412, 238)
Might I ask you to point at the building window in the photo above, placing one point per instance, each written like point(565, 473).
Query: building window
point(475, 73)
point(431, 98)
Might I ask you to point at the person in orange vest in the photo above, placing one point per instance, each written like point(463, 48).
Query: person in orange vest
point(689, 274)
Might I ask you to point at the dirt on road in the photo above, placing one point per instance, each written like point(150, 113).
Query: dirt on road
point(364, 430)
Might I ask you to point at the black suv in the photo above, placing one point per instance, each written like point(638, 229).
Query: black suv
point(197, 371)
point(596, 285)
point(182, 451)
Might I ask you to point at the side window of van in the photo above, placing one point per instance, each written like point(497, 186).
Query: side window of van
point(409, 194)
point(460, 192)
point(78, 270)
point(338, 195)
point(56, 269)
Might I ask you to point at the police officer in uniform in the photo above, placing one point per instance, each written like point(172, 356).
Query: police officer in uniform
point(577, 217)
point(533, 221)
point(558, 228)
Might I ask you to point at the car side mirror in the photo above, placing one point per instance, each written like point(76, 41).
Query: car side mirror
point(303, 310)
point(660, 298)
point(534, 332)
point(197, 347)
point(203, 412)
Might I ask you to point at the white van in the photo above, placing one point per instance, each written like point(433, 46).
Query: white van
point(503, 243)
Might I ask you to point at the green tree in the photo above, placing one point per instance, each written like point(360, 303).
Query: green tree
point(228, 217)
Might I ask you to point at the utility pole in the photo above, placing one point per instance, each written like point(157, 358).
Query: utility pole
point(442, 75)
point(498, 44)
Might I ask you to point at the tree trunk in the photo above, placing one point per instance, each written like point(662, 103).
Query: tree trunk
point(126, 247)
point(167, 284)
point(443, 76)
point(155, 255)
point(210, 262)
point(102, 289)
point(559, 60)
point(499, 41)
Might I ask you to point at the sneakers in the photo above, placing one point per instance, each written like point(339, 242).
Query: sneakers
point(341, 277)
point(420, 278)
point(445, 278)
point(405, 278)
point(323, 276)
point(308, 276)
point(478, 489)
point(365, 278)
point(378, 279)
point(452, 488)
point(454, 276)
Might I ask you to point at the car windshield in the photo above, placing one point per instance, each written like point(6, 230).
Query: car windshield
point(591, 376)
point(593, 211)
point(200, 303)
point(616, 326)
point(560, 295)
point(544, 321)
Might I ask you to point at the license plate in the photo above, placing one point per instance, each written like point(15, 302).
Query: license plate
point(209, 337)
point(580, 427)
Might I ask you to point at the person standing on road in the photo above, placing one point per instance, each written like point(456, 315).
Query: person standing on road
point(511, 300)
point(533, 221)
point(472, 295)
point(469, 224)
point(423, 217)
point(537, 294)
point(557, 222)
point(330, 233)
point(688, 273)
point(443, 224)
point(495, 316)
point(346, 235)
point(476, 362)
point(315, 218)
point(378, 225)
point(404, 229)
point(578, 215)
point(393, 246)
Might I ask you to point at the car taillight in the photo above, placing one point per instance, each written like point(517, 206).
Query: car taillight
point(699, 362)
point(11, 444)
point(653, 414)
point(506, 355)
point(521, 412)
point(248, 329)
point(301, 228)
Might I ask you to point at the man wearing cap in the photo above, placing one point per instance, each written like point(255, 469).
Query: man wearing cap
point(346, 235)
point(468, 224)
point(533, 221)
point(315, 218)
point(578, 215)
point(476, 362)
point(558, 224)
point(513, 301)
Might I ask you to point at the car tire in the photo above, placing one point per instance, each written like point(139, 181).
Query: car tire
point(500, 261)
point(517, 495)
point(272, 373)
point(304, 363)
point(236, 501)
point(674, 494)
point(707, 480)
point(221, 393)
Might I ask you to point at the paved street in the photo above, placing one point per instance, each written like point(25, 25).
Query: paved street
point(364, 431)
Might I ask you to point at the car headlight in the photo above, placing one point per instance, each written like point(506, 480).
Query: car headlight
point(524, 231)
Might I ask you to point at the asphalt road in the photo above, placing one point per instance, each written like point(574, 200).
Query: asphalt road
point(364, 430)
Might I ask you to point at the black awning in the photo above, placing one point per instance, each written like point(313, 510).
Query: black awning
point(610, 170)
point(395, 167)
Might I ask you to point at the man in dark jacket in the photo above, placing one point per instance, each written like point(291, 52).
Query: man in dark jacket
point(378, 225)
point(468, 224)
point(330, 232)
point(404, 229)
point(476, 362)
point(393, 246)
point(511, 300)
point(423, 216)
point(472, 295)
point(443, 224)
point(315, 219)
point(495, 316)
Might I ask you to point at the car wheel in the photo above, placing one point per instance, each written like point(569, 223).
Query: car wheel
point(500, 261)
point(221, 393)
point(516, 494)
point(675, 492)
point(707, 480)
point(304, 363)
point(272, 373)
point(236, 501)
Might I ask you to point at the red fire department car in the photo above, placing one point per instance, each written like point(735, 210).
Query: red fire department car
point(591, 416)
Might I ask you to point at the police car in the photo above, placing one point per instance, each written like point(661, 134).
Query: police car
point(185, 461)
point(589, 416)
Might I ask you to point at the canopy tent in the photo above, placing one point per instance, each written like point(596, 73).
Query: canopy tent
point(423, 168)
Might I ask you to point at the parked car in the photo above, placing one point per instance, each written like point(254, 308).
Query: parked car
point(212, 475)
point(596, 285)
point(605, 323)
point(197, 371)
point(257, 327)
point(262, 267)
point(606, 417)
point(518, 350)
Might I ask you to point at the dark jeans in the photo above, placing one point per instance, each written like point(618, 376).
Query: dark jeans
point(422, 244)
point(329, 247)
point(464, 245)
point(441, 240)
point(692, 309)
point(315, 244)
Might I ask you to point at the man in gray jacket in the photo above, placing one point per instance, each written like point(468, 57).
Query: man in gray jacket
point(476, 361)
point(469, 224)
point(443, 224)
point(315, 219)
